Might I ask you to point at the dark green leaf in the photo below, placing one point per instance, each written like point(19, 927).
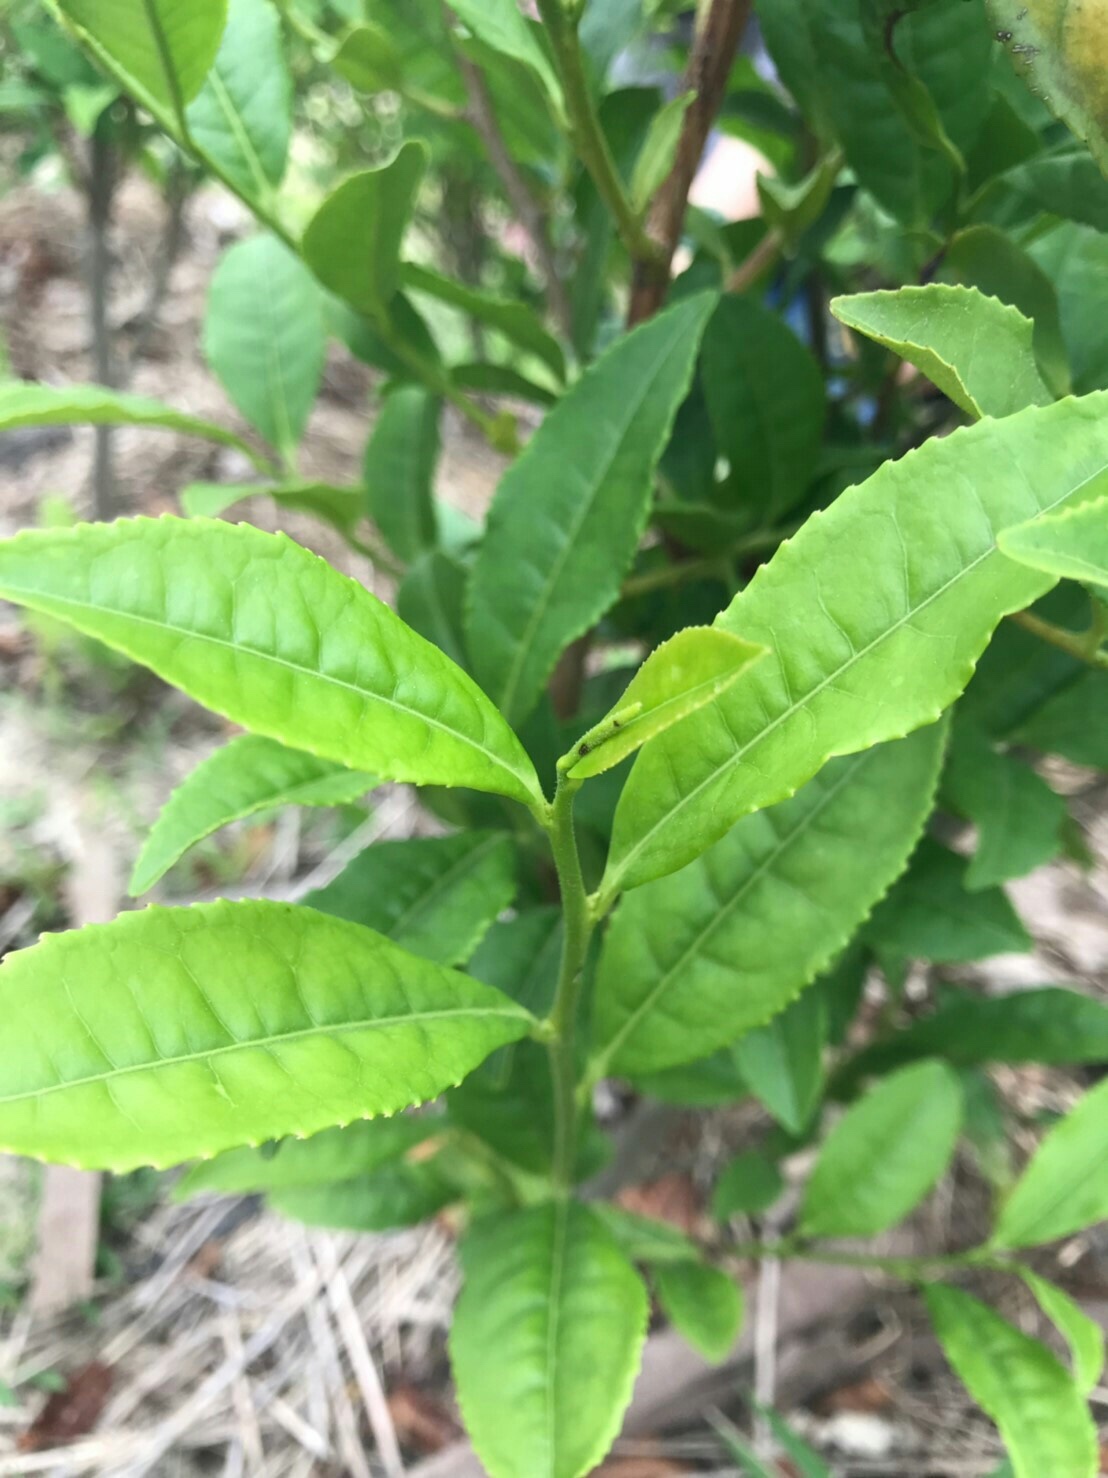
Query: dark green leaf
point(703, 1304)
point(399, 470)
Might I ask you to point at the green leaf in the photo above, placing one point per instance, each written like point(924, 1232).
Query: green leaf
point(501, 25)
point(766, 400)
point(987, 259)
point(1045, 1025)
point(1057, 47)
point(1066, 183)
point(899, 576)
point(885, 1154)
point(26, 404)
point(241, 120)
point(162, 49)
point(932, 915)
point(1072, 545)
point(436, 896)
point(807, 1462)
point(546, 1340)
point(342, 508)
point(977, 350)
point(353, 241)
point(431, 599)
point(645, 1239)
point(680, 676)
point(748, 1185)
point(1065, 1187)
point(1074, 259)
point(368, 60)
point(1019, 818)
point(395, 1195)
point(569, 513)
point(510, 1106)
point(704, 1305)
point(1083, 1335)
point(692, 962)
point(659, 150)
point(162, 1056)
point(333, 1155)
point(248, 775)
point(269, 635)
point(518, 324)
point(399, 470)
point(265, 337)
point(1017, 1382)
point(782, 1063)
point(1073, 723)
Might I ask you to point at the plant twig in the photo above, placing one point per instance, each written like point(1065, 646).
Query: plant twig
point(527, 207)
point(1085, 646)
point(764, 256)
point(713, 52)
point(588, 135)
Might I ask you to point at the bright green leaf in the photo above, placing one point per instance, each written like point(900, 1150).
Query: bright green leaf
point(518, 323)
point(1083, 1335)
point(248, 775)
point(766, 400)
point(704, 1305)
point(885, 1154)
point(1017, 1382)
point(546, 1340)
point(399, 470)
point(241, 120)
point(748, 1185)
point(782, 1062)
point(265, 337)
point(26, 404)
point(1058, 48)
point(395, 1195)
point(569, 513)
point(692, 962)
point(1065, 1187)
point(893, 591)
point(680, 676)
point(977, 350)
point(436, 896)
point(659, 150)
point(269, 635)
point(334, 1155)
point(353, 241)
point(1073, 544)
point(161, 49)
point(932, 915)
point(163, 1056)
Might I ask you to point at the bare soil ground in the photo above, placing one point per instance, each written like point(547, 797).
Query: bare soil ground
point(220, 1339)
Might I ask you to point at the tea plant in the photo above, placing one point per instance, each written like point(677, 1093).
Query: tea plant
point(866, 571)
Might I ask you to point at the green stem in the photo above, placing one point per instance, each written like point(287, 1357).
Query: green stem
point(587, 134)
point(1085, 645)
point(562, 1023)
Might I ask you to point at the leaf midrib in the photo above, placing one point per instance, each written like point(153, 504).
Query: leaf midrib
point(828, 681)
point(365, 694)
point(266, 1044)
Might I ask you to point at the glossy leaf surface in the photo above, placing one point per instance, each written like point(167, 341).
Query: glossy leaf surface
point(1073, 544)
point(1017, 1382)
point(265, 337)
point(874, 614)
point(164, 1056)
point(884, 1154)
point(436, 896)
point(693, 961)
point(680, 676)
point(269, 635)
point(248, 775)
point(546, 1340)
point(1065, 1187)
point(568, 515)
point(978, 351)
